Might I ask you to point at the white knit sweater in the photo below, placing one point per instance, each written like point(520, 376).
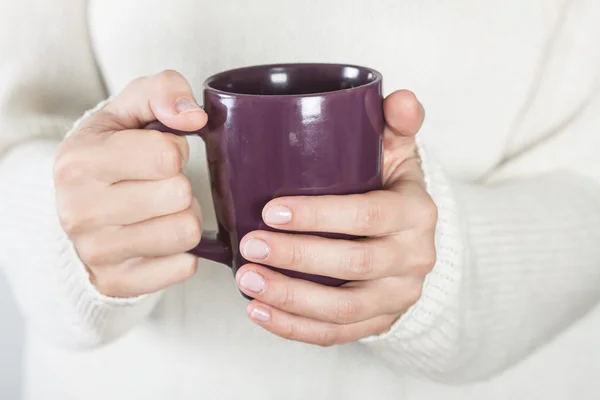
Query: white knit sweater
point(513, 119)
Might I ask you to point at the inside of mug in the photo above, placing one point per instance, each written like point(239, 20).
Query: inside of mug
point(292, 79)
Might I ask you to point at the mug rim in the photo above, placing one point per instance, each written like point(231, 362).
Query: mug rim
point(212, 78)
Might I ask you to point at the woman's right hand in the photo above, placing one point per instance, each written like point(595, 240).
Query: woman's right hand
point(122, 197)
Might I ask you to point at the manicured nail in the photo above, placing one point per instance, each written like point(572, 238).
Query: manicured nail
point(278, 215)
point(255, 249)
point(260, 314)
point(184, 104)
point(252, 281)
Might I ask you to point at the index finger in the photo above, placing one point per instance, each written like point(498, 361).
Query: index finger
point(128, 155)
point(141, 155)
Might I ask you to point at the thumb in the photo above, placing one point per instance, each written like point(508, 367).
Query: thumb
point(166, 97)
point(403, 112)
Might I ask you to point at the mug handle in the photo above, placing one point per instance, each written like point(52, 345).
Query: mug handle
point(210, 247)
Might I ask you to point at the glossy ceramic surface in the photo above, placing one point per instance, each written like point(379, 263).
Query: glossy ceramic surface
point(286, 130)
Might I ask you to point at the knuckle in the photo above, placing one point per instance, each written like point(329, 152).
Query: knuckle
point(369, 216)
point(90, 252)
point(168, 76)
point(327, 338)
point(183, 189)
point(72, 220)
point(315, 217)
point(186, 270)
point(68, 222)
point(289, 332)
point(413, 293)
point(287, 298)
point(190, 231)
point(347, 310)
point(427, 213)
point(170, 159)
point(69, 168)
point(425, 262)
point(98, 280)
point(357, 263)
point(109, 284)
point(297, 255)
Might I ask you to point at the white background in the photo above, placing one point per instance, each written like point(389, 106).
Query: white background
point(11, 345)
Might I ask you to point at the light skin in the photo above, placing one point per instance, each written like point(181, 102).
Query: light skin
point(129, 210)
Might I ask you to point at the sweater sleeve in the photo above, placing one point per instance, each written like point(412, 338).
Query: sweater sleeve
point(518, 260)
point(48, 78)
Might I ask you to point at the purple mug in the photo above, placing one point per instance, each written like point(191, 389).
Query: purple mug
point(286, 130)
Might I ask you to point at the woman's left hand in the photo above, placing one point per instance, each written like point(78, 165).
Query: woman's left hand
point(386, 271)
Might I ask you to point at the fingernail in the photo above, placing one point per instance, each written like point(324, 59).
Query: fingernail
point(256, 249)
point(278, 215)
point(260, 314)
point(253, 282)
point(185, 104)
